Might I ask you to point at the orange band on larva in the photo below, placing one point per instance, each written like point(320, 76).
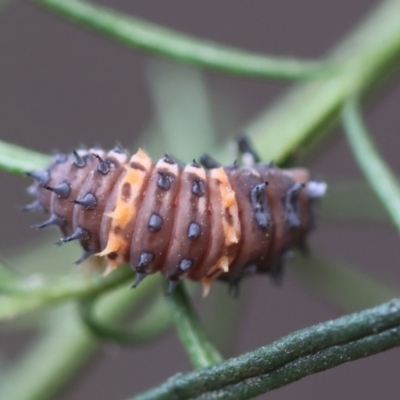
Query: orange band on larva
point(230, 225)
point(184, 221)
point(129, 194)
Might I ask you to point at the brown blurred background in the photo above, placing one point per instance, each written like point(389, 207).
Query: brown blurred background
point(61, 86)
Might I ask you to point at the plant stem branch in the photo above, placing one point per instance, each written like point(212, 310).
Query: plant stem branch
point(16, 299)
point(156, 320)
point(18, 160)
point(201, 351)
point(376, 171)
point(57, 354)
point(299, 354)
point(153, 38)
point(301, 118)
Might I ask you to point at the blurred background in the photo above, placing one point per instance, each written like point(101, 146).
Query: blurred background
point(61, 87)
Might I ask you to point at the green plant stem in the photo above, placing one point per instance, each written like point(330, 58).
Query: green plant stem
point(301, 353)
point(16, 300)
point(157, 319)
point(311, 364)
point(376, 171)
point(56, 355)
point(18, 160)
point(298, 120)
point(153, 38)
point(201, 351)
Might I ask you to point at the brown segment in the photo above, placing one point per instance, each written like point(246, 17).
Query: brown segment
point(255, 241)
point(100, 185)
point(152, 246)
point(74, 176)
point(184, 254)
point(225, 231)
point(278, 185)
point(56, 174)
point(305, 206)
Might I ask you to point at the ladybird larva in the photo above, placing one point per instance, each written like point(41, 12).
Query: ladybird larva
point(200, 221)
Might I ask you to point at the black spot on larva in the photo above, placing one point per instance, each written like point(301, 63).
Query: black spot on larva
point(136, 165)
point(79, 234)
point(195, 164)
point(112, 256)
point(80, 161)
point(185, 264)
point(103, 166)
point(209, 162)
point(168, 159)
point(126, 191)
point(89, 202)
point(194, 230)
point(34, 206)
point(138, 278)
point(172, 284)
point(164, 180)
point(145, 259)
point(119, 149)
point(258, 199)
point(291, 205)
point(53, 220)
point(117, 230)
point(155, 222)
point(198, 187)
point(41, 177)
point(86, 254)
point(245, 147)
point(62, 190)
point(228, 216)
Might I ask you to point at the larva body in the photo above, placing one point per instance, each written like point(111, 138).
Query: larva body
point(187, 221)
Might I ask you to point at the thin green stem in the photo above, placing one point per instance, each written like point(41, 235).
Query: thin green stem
point(299, 120)
point(19, 298)
point(301, 353)
point(308, 365)
point(376, 171)
point(136, 33)
point(57, 354)
point(18, 160)
point(201, 351)
point(156, 320)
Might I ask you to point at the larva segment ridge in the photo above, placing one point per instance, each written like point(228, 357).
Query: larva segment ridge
point(224, 230)
point(99, 183)
point(160, 198)
point(186, 251)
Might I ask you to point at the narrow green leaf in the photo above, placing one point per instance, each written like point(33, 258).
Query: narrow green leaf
point(201, 351)
point(376, 171)
point(17, 298)
point(156, 320)
point(51, 360)
point(18, 160)
point(162, 41)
